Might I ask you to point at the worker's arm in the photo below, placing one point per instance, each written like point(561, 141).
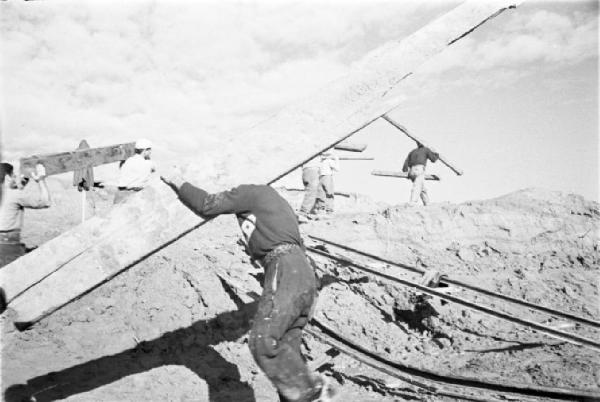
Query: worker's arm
point(432, 155)
point(405, 166)
point(226, 202)
point(334, 163)
point(204, 204)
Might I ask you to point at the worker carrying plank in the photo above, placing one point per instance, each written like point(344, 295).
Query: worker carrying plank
point(16, 196)
point(415, 164)
point(136, 171)
point(271, 235)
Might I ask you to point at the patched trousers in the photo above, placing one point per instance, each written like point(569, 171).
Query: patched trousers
point(284, 309)
point(325, 195)
point(310, 179)
point(417, 175)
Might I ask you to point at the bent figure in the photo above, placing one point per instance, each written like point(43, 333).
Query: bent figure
point(270, 230)
point(415, 164)
point(135, 172)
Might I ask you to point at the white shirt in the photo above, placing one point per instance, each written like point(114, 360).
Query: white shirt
point(136, 172)
point(14, 201)
point(328, 165)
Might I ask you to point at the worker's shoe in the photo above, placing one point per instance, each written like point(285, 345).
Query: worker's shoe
point(431, 278)
point(324, 390)
point(304, 217)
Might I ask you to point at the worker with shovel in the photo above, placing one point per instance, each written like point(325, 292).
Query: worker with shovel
point(271, 235)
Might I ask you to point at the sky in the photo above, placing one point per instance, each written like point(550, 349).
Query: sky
point(514, 104)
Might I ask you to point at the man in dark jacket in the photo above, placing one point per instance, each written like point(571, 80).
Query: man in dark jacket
point(270, 229)
point(415, 164)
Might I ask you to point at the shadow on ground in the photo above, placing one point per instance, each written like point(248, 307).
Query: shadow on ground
point(222, 377)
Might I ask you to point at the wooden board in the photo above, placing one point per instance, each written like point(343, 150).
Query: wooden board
point(356, 158)
point(350, 146)
point(152, 218)
point(403, 175)
point(418, 140)
point(80, 159)
point(340, 193)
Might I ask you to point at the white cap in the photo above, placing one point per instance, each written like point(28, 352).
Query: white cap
point(143, 143)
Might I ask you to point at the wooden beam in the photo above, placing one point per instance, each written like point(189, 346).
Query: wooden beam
point(356, 158)
point(418, 140)
point(77, 261)
point(340, 193)
point(350, 146)
point(403, 175)
point(80, 159)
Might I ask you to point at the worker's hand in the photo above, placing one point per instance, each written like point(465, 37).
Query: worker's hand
point(40, 172)
point(173, 177)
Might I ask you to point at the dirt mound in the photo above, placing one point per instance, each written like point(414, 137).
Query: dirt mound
point(173, 327)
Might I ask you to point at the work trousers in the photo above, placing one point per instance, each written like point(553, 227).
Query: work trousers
point(10, 252)
point(325, 195)
point(417, 175)
point(284, 309)
point(11, 247)
point(310, 179)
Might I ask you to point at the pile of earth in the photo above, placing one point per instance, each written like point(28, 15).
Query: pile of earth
point(173, 327)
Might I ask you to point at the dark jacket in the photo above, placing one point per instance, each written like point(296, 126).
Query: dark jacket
point(266, 219)
point(419, 156)
point(83, 179)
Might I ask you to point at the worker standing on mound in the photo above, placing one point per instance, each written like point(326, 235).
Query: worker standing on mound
point(415, 164)
point(271, 235)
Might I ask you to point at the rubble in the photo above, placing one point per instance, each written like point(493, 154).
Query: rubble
point(171, 328)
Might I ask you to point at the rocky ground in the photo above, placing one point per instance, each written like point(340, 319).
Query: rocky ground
point(173, 328)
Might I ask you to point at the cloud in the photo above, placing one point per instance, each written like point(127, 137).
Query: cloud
point(188, 75)
point(498, 55)
point(182, 75)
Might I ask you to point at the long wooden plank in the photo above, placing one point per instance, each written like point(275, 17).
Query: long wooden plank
point(80, 159)
point(340, 193)
point(356, 158)
point(403, 175)
point(416, 139)
point(351, 146)
point(153, 217)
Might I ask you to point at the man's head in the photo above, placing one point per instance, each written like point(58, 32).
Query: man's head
point(143, 147)
point(7, 172)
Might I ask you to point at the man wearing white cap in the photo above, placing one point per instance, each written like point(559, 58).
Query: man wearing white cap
point(135, 171)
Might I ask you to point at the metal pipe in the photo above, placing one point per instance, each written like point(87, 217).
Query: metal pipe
point(475, 306)
point(449, 281)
